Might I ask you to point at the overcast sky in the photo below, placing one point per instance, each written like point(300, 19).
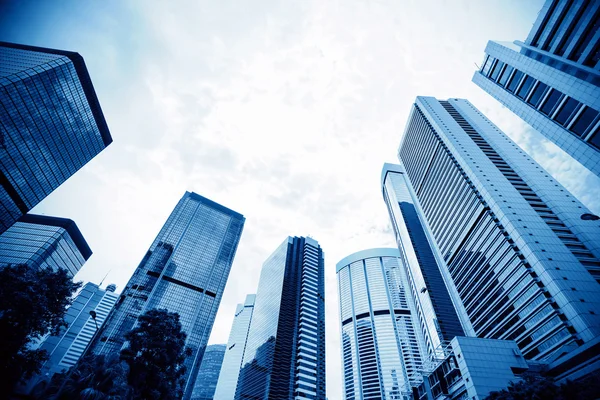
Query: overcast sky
point(283, 111)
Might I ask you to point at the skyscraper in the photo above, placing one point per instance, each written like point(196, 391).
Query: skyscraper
point(208, 374)
point(382, 344)
point(51, 124)
point(65, 349)
point(435, 308)
point(232, 362)
point(44, 242)
point(285, 351)
point(552, 80)
point(184, 271)
point(521, 251)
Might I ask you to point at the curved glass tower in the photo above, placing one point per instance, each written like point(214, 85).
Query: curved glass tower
point(382, 348)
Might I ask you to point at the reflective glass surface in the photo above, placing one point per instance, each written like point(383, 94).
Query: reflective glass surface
point(49, 127)
point(285, 350)
point(184, 271)
point(566, 111)
point(382, 350)
point(208, 374)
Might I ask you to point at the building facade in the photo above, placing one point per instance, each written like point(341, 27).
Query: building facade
point(184, 271)
point(65, 349)
point(51, 124)
point(208, 374)
point(552, 80)
point(519, 249)
point(435, 308)
point(383, 349)
point(285, 352)
point(44, 242)
point(232, 361)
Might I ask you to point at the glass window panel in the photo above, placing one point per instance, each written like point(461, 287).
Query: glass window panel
point(515, 81)
point(584, 120)
point(537, 94)
point(487, 65)
point(505, 75)
point(524, 89)
point(497, 70)
point(551, 102)
point(566, 111)
point(595, 140)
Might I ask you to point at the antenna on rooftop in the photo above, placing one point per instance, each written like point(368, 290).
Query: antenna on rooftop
point(100, 284)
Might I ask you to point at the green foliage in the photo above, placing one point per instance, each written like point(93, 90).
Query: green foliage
point(538, 387)
point(155, 354)
point(32, 303)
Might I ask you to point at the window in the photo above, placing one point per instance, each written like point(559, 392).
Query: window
point(566, 111)
point(487, 65)
point(595, 140)
point(497, 70)
point(551, 102)
point(515, 81)
point(585, 119)
point(524, 89)
point(505, 75)
point(537, 94)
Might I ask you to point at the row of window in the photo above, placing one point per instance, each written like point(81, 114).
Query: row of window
point(571, 114)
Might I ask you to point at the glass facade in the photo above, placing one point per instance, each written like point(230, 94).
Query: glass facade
point(437, 316)
point(285, 352)
point(501, 223)
point(382, 347)
point(552, 80)
point(184, 271)
point(208, 374)
point(51, 125)
point(44, 242)
point(232, 362)
point(65, 349)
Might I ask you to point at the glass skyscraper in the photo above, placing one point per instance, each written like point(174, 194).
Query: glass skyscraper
point(232, 362)
point(208, 374)
point(51, 124)
point(520, 250)
point(382, 345)
point(44, 242)
point(552, 80)
point(438, 318)
point(285, 352)
point(65, 349)
point(184, 271)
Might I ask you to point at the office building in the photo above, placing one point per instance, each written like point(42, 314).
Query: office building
point(424, 266)
point(472, 369)
point(44, 242)
point(521, 252)
point(285, 352)
point(65, 349)
point(184, 271)
point(232, 362)
point(383, 349)
point(552, 79)
point(208, 374)
point(51, 124)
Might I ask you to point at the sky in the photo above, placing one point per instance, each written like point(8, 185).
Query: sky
point(284, 111)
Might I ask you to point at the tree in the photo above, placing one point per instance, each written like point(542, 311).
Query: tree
point(33, 302)
point(539, 387)
point(93, 377)
point(155, 354)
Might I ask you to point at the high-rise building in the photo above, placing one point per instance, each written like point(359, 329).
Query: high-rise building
point(232, 362)
point(522, 253)
point(435, 308)
point(51, 124)
point(285, 351)
point(383, 348)
point(65, 349)
point(44, 242)
point(552, 79)
point(184, 271)
point(208, 374)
